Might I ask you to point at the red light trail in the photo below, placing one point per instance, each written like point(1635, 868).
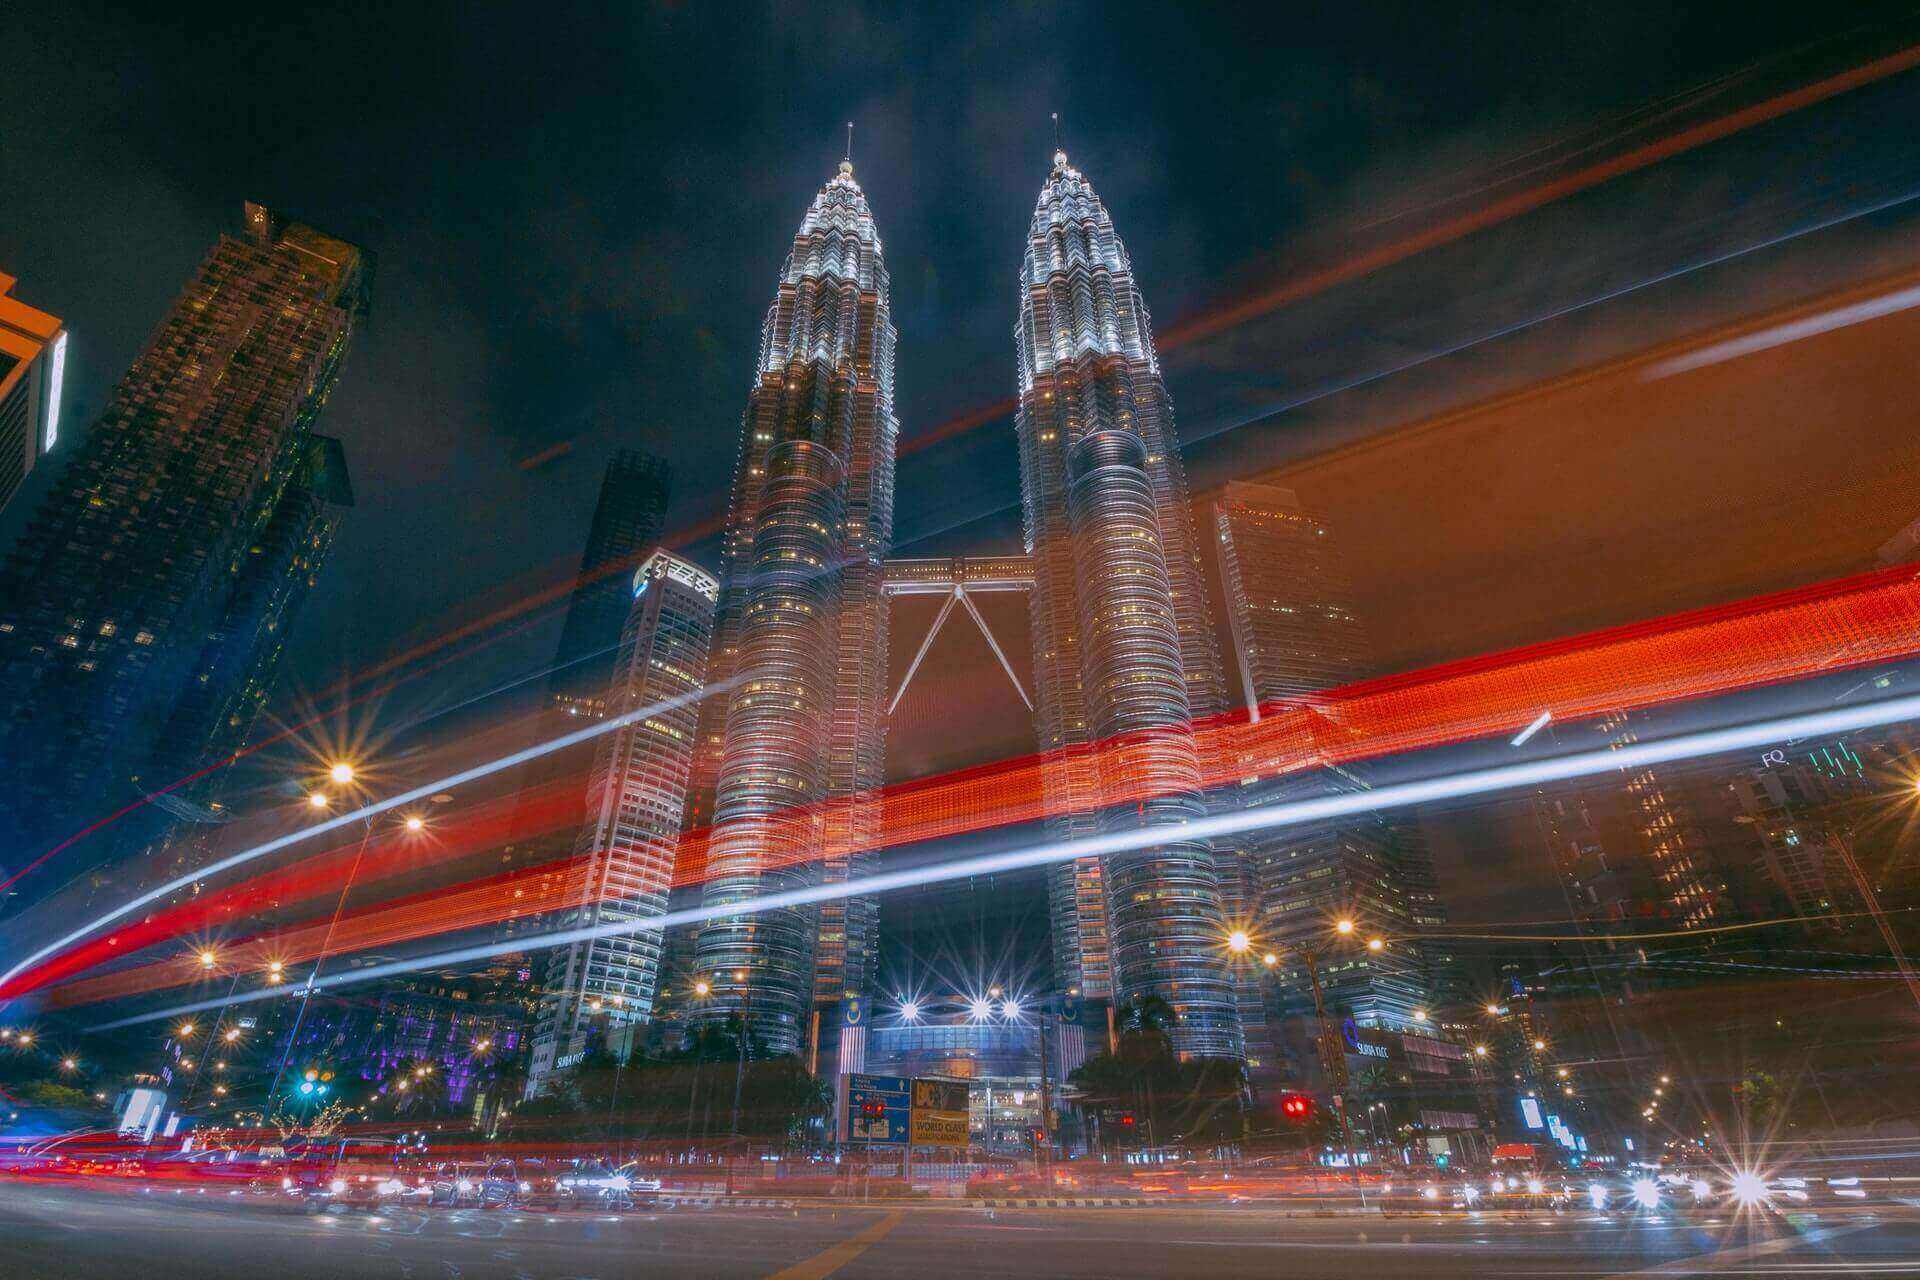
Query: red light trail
point(1832, 626)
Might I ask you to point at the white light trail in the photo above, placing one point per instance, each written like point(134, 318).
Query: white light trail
point(378, 807)
point(1780, 335)
point(1539, 723)
point(1263, 817)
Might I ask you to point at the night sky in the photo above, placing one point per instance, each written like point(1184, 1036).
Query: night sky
point(579, 212)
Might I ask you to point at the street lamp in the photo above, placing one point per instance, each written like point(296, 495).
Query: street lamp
point(341, 773)
point(316, 799)
point(1238, 942)
point(703, 988)
point(186, 1028)
point(1376, 944)
point(1343, 926)
point(231, 1034)
point(208, 958)
point(909, 1011)
point(415, 822)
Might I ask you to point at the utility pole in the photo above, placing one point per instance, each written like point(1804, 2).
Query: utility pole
point(1334, 1061)
point(1043, 1150)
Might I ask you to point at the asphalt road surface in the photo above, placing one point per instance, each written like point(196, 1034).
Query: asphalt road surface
point(54, 1230)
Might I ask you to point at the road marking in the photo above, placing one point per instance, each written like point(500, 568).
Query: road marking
point(828, 1261)
point(1726, 1257)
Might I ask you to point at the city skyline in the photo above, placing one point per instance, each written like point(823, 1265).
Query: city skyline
point(1383, 679)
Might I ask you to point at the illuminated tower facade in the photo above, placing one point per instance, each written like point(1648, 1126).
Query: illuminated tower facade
point(33, 360)
point(792, 738)
point(628, 851)
point(140, 553)
point(1123, 646)
point(1295, 634)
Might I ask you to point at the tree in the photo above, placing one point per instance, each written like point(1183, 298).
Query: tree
point(1198, 1102)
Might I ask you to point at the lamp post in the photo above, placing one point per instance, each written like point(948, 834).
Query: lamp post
point(343, 774)
point(1332, 1058)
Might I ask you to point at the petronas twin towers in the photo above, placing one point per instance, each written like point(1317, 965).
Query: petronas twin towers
point(792, 741)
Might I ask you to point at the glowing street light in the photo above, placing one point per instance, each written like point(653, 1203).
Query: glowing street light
point(208, 958)
point(231, 1034)
point(316, 799)
point(909, 1011)
point(1493, 1010)
point(1010, 1010)
point(980, 1008)
point(1479, 1051)
point(186, 1028)
point(68, 1064)
point(1539, 1046)
point(1238, 942)
point(1419, 1015)
point(341, 773)
point(415, 822)
point(703, 988)
point(1343, 926)
point(1269, 959)
point(1376, 944)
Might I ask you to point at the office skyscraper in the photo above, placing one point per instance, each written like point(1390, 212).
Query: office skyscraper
point(626, 524)
point(133, 561)
point(1123, 648)
point(793, 732)
point(628, 850)
point(33, 359)
point(1295, 634)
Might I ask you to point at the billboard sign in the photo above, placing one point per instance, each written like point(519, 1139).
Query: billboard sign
point(940, 1117)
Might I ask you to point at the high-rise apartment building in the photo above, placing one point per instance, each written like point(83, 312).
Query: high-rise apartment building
point(137, 561)
point(1123, 648)
point(793, 735)
point(33, 359)
point(1295, 634)
point(628, 850)
point(627, 522)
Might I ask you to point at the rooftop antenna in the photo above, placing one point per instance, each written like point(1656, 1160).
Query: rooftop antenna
point(1056, 131)
point(849, 156)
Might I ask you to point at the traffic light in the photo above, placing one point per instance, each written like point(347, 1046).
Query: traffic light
point(1126, 1119)
point(1296, 1107)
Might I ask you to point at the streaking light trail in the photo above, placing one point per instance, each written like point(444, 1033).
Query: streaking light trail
point(1807, 631)
point(1793, 331)
point(1266, 817)
point(448, 783)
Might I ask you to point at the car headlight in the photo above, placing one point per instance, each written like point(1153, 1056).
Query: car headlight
point(463, 1185)
point(337, 1185)
point(526, 1186)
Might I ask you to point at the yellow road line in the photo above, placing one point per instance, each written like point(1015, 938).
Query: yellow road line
point(828, 1261)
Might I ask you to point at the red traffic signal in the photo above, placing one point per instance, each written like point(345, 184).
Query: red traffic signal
point(1126, 1120)
point(1296, 1107)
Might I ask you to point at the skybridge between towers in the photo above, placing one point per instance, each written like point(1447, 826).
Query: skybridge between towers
point(958, 578)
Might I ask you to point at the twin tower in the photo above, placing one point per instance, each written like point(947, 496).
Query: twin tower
point(790, 754)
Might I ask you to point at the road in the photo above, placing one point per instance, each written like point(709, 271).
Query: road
point(59, 1230)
